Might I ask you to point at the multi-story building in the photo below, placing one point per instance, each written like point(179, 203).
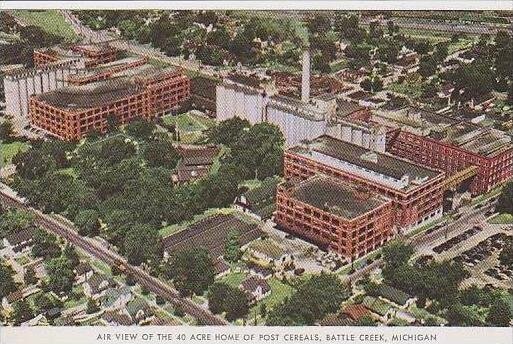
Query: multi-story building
point(91, 54)
point(144, 92)
point(106, 71)
point(451, 145)
point(416, 191)
point(21, 83)
point(334, 215)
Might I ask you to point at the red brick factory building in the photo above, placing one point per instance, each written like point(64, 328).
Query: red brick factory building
point(416, 192)
point(92, 54)
point(145, 91)
point(335, 215)
point(482, 156)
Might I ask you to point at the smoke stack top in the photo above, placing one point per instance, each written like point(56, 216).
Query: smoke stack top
point(305, 77)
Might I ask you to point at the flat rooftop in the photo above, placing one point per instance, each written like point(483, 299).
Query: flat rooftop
point(417, 118)
point(345, 108)
point(90, 95)
point(103, 92)
point(296, 107)
point(336, 197)
point(472, 138)
point(382, 163)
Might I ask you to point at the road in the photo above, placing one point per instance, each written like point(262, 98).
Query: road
point(115, 41)
point(423, 240)
point(402, 22)
point(93, 248)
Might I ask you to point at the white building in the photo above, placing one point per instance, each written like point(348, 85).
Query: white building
point(20, 84)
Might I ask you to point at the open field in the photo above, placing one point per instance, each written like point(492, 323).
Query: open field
point(502, 219)
point(9, 150)
point(50, 21)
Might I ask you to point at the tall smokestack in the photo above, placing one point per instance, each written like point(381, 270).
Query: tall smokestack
point(305, 77)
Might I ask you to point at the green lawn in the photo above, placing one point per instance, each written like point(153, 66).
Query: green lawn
point(462, 43)
point(234, 279)
point(502, 219)
point(171, 229)
point(50, 21)
point(413, 90)
point(279, 291)
point(9, 150)
point(338, 65)
point(70, 171)
point(76, 297)
point(188, 122)
point(190, 126)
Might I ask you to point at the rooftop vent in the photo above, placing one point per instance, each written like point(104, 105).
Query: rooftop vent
point(370, 156)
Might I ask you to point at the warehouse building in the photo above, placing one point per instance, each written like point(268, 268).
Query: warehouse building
point(91, 55)
point(144, 92)
point(416, 191)
point(482, 155)
point(20, 84)
point(348, 219)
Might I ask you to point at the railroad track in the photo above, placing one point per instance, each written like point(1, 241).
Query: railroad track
point(203, 316)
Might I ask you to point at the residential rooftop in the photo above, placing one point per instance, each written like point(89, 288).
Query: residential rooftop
point(335, 197)
point(330, 150)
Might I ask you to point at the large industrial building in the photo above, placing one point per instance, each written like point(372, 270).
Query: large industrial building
point(140, 92)
point(416, 191)
point(334, 215)
point(91, 55)
point(257, 99)
point(22, 83)
point(483, 155)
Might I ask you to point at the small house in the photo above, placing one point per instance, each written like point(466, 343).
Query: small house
point(256, 288)
point(95, 285)
point(116, 298)
point(83, 271)
point(20, 240)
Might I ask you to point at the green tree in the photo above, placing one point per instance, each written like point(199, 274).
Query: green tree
point(88, 222)
point(92, 306)
point(216, 296)
point(43, 303)
point(141, 129)
point(29, 278)
point(366, 321)
point(192, 271)
point(500, 313)
point(397, 253)
point(6, 131)
point(509, 100)
point(227, 132)
point(45, 244)
point(459, 315)
point(142, 244)
point(22, 312)
point(71, 254)
point(232, 251)
point(15, 220)
point(236, 304)
point(32, 164)
point(7, 284)
point(506, 255)
point(314, 299)
point(160, 153)
point(505, 201)
point(427, 66)
point(60, 274)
